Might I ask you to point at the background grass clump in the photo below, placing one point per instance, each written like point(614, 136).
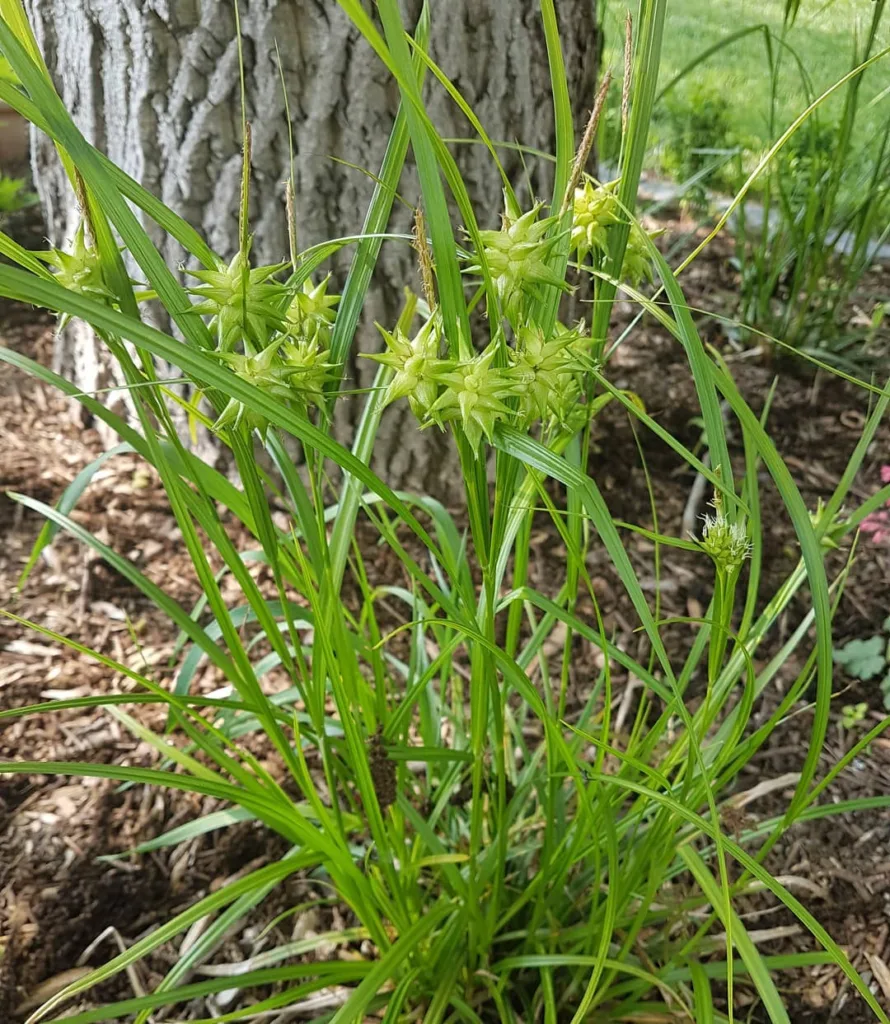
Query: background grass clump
point(821, 35)
point(728, 121)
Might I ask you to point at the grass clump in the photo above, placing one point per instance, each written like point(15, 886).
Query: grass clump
point(505, 859)
point(817, 208)
point(820, 34)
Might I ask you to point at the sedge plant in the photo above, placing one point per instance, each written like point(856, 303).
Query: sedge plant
point(503, 855)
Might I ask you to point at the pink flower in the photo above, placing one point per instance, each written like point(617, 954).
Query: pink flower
point(877, 524)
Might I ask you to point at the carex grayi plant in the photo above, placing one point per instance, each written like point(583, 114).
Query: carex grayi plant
point(499, 854)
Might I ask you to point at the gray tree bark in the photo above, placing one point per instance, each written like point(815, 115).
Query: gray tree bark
point(154, 84)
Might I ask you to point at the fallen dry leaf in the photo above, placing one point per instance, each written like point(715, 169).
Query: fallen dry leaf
point(47, 989)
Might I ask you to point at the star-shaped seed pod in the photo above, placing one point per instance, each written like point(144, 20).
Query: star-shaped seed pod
point(264, 371)
point(549, 370)
point(79, 270)
point(516, 257)
point(413, 360)
point(241, 310)
point(595, 208)
point(473, 393)
point(307, 368)
point(637, 265)
point(311, 313)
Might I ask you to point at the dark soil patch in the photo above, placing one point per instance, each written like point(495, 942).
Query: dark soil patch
point(59, 900)
point(70, 917)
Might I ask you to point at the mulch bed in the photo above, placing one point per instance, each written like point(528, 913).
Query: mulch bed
point(56, 898)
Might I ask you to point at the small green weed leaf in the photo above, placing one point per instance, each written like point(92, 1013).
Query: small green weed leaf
point(862, 659)
point(853, 714)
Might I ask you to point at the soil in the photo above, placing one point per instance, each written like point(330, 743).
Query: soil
point(57, 898)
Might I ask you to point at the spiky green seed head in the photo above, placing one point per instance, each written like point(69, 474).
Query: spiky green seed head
point(241, 310)
point(237, 416)
point(307, 368)
point(580, 342)
point(727, 543)
point(473, 393)
point(549, 371)
point(80, 270)
point(311, 312)
point(835, 529)
point(637, 265)
point(414, 360)
point(516, 257)
point(264, 371)
point(595, 208)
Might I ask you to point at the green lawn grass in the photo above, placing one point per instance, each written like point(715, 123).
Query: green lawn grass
point(822, 37)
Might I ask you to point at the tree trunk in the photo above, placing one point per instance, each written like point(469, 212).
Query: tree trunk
point(154, 84)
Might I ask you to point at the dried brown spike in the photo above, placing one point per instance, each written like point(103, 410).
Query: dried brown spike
point(628, 72)
point(586, 142)
point(290, 204)
point(83, 201)
point(243, 213)
point(383, 770)
point(424, 258)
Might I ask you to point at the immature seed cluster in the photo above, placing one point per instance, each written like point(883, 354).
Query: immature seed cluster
point(516, 257)
point(80, 269)
point(285, 334)
point(277, 336)
point(528, 380)
point(414, 361)
point(595, 210)
point(726, 542)
point(526, 374)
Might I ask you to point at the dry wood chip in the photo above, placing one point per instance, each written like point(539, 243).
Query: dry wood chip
point(30, 649)
point(881, 972)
